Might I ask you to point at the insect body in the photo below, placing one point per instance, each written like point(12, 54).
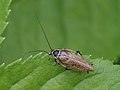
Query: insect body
point(71, 60)
point(67, 58)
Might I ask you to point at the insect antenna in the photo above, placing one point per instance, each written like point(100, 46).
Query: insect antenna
point(44, 32)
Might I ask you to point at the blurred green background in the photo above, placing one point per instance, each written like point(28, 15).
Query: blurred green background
point(91, 26)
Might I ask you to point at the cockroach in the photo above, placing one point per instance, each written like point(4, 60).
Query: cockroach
point(67, 58)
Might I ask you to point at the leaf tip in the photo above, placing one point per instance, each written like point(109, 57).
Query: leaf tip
point(90, 55)
point(2, 64)
point(3, 38)
point(102, 58)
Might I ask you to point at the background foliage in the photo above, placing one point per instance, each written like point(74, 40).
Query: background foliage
point(89, 26)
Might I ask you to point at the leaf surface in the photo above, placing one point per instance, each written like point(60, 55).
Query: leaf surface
point(39, 73)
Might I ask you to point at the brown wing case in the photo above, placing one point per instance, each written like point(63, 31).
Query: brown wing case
point(70, 60)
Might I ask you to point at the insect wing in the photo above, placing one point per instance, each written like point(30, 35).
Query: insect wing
point(72, 61)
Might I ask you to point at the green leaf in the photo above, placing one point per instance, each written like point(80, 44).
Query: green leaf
point(4, 12)
point(39, 73)
point(89, 26)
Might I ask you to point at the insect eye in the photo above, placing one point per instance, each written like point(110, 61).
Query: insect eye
point(55, 53)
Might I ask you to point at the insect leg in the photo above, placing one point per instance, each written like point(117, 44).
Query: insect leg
point(57, 62)
point(91, 64)
point(78, 52)
point(50, 54)
point(88, 72)
point(67, 68)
